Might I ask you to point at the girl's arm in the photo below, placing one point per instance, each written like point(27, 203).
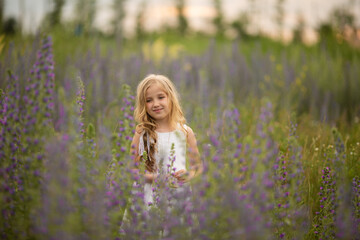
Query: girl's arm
point(193, 155)
point(149, 177)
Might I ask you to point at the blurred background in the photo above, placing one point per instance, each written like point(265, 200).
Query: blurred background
point(285, 20)
point(304, 56)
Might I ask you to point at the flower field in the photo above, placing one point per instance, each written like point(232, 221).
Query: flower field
point(278, 132)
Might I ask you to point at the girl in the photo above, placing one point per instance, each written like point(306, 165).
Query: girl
point(161, 125)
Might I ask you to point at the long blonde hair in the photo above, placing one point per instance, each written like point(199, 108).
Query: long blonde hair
point(146, 123)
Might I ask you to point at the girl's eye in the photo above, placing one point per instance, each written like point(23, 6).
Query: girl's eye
point(149, 100)
point(161, 97)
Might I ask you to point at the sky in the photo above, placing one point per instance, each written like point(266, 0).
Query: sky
point(199, 13)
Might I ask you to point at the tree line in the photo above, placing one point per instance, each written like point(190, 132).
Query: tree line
point(340, 24)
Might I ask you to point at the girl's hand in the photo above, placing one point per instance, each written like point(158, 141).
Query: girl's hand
point(181, 175)
point(150, 177)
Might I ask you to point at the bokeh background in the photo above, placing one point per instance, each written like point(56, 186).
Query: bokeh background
point(275, 18)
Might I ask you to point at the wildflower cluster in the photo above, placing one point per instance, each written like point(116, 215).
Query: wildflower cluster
point(289, 212)
point(125, 186)
point(282, 201)
point(324, 223)
point(80, 101)
point(356, 203)
point(125, 128)
point(26, 116)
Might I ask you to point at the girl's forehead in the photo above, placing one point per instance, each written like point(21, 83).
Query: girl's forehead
point(155, 88)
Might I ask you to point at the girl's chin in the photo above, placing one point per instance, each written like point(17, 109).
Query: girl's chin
point(159, 118)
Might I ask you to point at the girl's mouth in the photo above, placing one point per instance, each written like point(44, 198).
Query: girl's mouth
point(157, 110)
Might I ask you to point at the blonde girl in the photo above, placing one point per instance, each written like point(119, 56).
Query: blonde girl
point(161, 124)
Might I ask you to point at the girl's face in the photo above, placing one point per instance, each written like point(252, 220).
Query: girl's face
point(157, 102)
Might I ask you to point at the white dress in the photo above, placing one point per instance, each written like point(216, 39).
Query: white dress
point(165, 141)
point(163, 155)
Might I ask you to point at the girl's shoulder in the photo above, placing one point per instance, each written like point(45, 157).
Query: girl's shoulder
point(185, 129)
point(189, 131)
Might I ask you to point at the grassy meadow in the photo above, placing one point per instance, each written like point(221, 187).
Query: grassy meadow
point(277, 127)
